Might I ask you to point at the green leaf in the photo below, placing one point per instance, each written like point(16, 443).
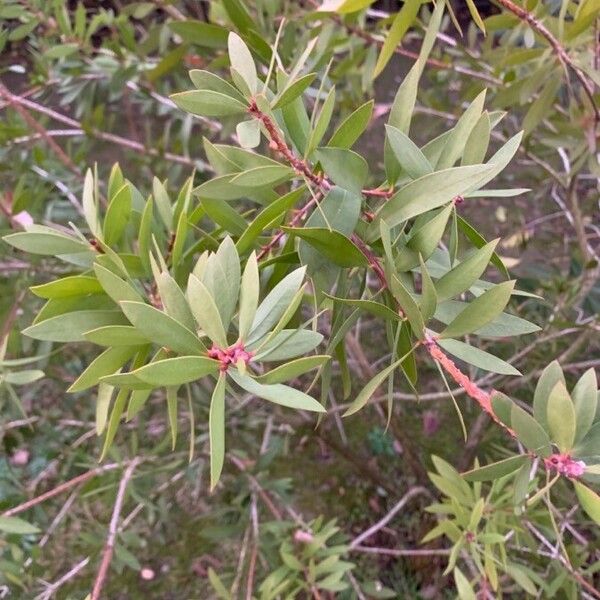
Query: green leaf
point(343, 7)
point(496, 470)
point(585, 401)
point(322, 122)
point(293, 369)
point(455, 144)
point(550, 376)
point(292, 90)
point(277, 393)
point(176, 371)
point(345, 168)
point(589, 500)
point(476, 16)
point(268, 216)
point(352, 127)
point(407, 153)
point(22, 377)
point(89, 205)
point(71, 326)
point(103, 399)
point(205, 311)
point(428, 302)
point(117, 215)
point(504, 325)
point(464, 275)
point(464, 588)
point(289, 343)
point(67, 287)
point(114, 286)
point(205, 80)
point(46, 241)
point(529, 431)
point(17, 526)
point(274, 305)
point(478, 141)
point(481, 311)
point(109, 362)
point(249, 291)
point(116, 335)
point(248, 133)
point(216, 427)
point(162, 329)
point(375, 308)
point(207, 103)
point(560, 417)
point(262, 176)
point(365, 394)
point(173, 299)
point(332, 244)
point(402, 21)
point(425, 194)
point(200, 33)
point(409, 307)
point(242, 61)
point(479, 358)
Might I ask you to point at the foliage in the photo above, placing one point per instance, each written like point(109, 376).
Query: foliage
point(239, 248)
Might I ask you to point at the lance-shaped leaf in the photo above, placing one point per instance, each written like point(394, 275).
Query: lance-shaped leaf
point(117, 215)
point(274, 305)
point(176, 371)
point(365, 394)
point(370, 306)
point(529, 431)
point(242, 61)
point(277, 393)
point(46, 241)
point(258, 177)
point(207, 103)
point(289, 343)
point(352, 127)
point(108, 362)
point(464, 275)
point(344, 167)
point(116, 335)
point(332, 244)
point(67, 287)
point(481, 311)
point(162, 329)
point(585, 401)
point(17, 526)
point(205, 80)
point(560, 417)
point(409, 306)
point(71, 326)
point(589, 500)
point(426, 193)
point(205, 311)
point(322, 121)
point(496, 470)
point(550, 376)
point(477, 357)
point(292, 90)
point(115, 287)
point(249, 291)
point(408, 154)
point(216, 428)
point(89, 203)
point(248, 133)
point(293, 369)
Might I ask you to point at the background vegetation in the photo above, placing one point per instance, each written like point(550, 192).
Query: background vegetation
point(366, 506)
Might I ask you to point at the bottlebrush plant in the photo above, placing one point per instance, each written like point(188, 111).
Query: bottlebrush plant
point(251, 280)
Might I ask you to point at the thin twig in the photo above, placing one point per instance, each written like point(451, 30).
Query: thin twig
point(109, 547)
point(365, 535)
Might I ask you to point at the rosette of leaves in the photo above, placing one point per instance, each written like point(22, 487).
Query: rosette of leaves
point(158, 333)
point(563, 431)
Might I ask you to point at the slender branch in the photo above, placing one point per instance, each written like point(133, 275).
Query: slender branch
point(558, 49)
point(51, 589)
point(365, 535)
point(59, 489)
point(109, 547)
point(60, 153)
point(401, 551)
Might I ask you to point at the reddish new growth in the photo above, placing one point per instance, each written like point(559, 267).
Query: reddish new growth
point(471, 388)
point(231, 355)
point(565, 465)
